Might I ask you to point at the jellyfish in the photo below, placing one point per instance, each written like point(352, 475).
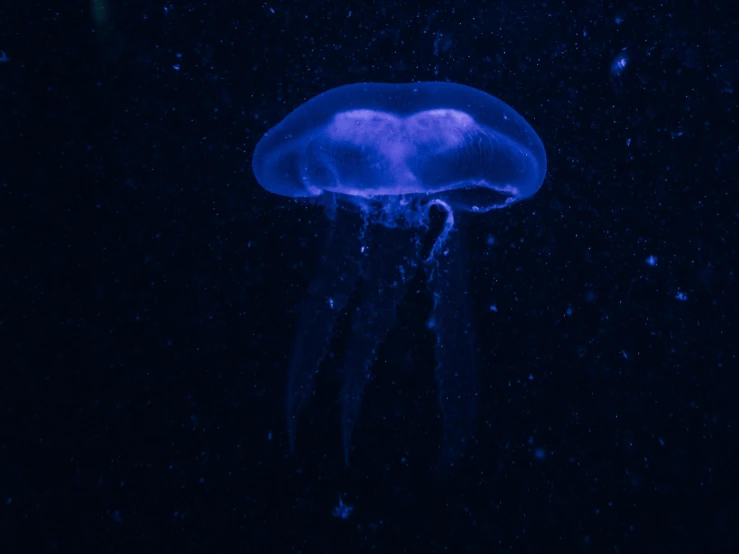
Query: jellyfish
point(380, 158)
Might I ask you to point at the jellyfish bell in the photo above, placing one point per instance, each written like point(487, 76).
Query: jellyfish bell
point(387, 139)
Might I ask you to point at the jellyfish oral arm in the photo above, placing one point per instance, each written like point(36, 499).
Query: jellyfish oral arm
point(373, 264)
point(454, 350)
point(332, 286)
point(386, 264)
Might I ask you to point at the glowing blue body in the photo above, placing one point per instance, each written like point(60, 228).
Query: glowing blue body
point(390, 152)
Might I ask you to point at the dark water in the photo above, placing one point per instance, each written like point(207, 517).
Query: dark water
point(149, 286)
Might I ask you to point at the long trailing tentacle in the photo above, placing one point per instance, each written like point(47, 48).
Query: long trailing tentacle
point(450, 322)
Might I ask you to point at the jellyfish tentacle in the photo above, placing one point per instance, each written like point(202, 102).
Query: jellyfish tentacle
point(388, 264)
point(330, 290)
point(450, 322)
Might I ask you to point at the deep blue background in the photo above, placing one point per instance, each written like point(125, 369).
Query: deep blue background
point(148, 285)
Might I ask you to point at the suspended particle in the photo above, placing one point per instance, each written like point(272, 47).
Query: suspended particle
point(619, 63)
